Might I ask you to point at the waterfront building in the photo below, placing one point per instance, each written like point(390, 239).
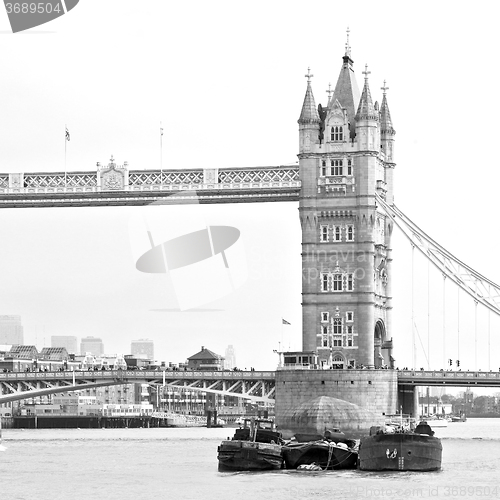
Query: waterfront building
point(54, 354)
point(11, 330)
point(346, 159)
point(143, 348)
point(23, 352)
point(205, 360)
point(69, 342)
point(92, 345)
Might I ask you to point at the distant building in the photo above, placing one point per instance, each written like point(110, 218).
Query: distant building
point(67, 341)
point(23, 352)
point(205, 360)
point(93, 345)
point(230, 361)
point(143, 348)
point(11, 330)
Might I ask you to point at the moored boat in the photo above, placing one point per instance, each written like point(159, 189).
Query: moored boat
point(435, 421)
point(399, 449)
point(256, 446)
point(333, 451)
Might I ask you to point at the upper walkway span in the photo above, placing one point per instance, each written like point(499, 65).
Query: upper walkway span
point(117, 185)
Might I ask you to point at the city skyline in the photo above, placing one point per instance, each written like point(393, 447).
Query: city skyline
point(71, 270)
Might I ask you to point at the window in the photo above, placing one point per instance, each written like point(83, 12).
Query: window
point(337, 133)
point(337, 326)
point(350, 282)
point(337, 234)
point(324, 316)
point(349, 336)
point(324, 282)
point(323, 168)
point(323, 237)
point(349, 316)
point(324, 336)
point(336, 167)
point(337, 282)
point(349, 167)
point(337, 341)
point(350, 232)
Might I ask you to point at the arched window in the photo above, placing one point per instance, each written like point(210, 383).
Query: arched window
point(338, 362)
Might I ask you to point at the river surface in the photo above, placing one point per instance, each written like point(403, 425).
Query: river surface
point(137, 464)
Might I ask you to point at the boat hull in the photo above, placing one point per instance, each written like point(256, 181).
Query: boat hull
point(326, 455)
point(404, 452)
point(238, 455)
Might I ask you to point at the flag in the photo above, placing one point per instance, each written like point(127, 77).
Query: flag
point(285, 322)
point(67, 134)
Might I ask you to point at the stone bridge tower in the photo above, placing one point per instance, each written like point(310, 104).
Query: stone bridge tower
point(346, 158)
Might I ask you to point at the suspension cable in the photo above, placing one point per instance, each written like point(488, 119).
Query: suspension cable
point(475, 284)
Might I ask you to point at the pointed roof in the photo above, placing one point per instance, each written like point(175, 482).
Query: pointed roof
point(309, 113)
point(385, 115)
point(205, 354)
point(366, 109)
point(347, 90)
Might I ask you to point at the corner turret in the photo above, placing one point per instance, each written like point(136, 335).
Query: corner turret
point(367, 120)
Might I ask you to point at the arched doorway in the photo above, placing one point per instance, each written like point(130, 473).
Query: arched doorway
point(378, 357)
point(338, 361)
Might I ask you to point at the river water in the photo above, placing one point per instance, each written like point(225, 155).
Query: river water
point(136, 464)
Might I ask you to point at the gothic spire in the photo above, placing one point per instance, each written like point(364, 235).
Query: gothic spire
point(385, 115)
point(346, 91)
point(309, 113)
point(366, 109)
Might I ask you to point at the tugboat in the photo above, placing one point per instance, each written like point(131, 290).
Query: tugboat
point(254, 447)
point(332, 451)
point(401, 449)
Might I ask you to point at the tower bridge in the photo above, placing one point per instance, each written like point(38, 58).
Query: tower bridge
point(343, 184)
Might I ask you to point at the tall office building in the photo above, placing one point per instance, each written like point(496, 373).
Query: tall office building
point(143, 348)
point(67, 341)
point(93, 345)
point(11, 330)
point(230, 358)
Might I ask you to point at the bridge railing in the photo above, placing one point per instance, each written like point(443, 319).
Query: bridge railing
point(455, 375)
point(131, 375)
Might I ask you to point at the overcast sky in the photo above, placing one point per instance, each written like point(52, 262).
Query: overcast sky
point(226, 79)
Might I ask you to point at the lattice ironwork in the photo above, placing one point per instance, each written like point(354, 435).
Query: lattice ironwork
point(44, 180)
point(259, 175)
point(4, 181)
point(156, 177)
point(81, 180)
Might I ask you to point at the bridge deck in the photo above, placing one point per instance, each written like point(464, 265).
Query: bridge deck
point(117, 185)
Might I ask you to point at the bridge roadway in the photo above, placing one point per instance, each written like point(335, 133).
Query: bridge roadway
point(117, 185)
point(252, 385)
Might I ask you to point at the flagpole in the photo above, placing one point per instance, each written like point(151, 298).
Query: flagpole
point(161, 153)
point(65, 145)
